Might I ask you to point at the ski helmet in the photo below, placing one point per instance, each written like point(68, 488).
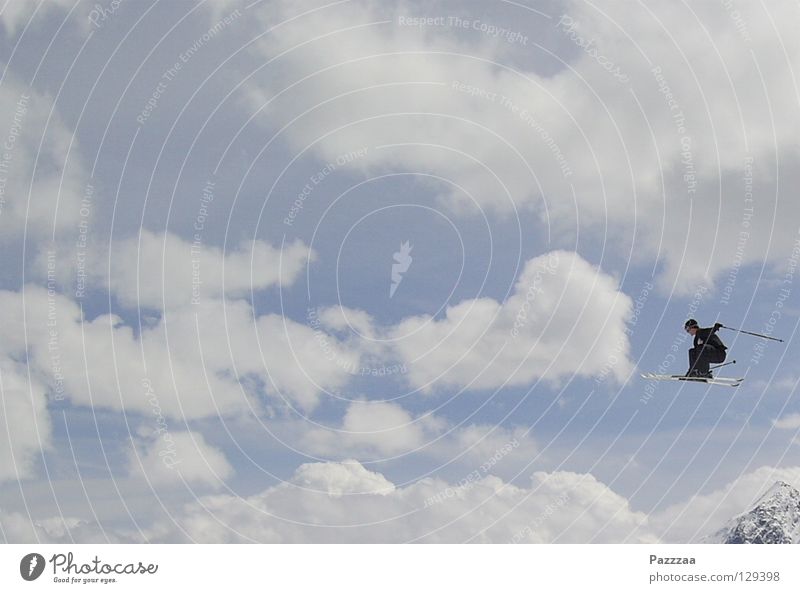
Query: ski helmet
point(690, 323)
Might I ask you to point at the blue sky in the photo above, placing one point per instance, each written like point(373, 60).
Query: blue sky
point(331, 135)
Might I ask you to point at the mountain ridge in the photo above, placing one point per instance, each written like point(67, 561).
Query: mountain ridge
point(773, 519)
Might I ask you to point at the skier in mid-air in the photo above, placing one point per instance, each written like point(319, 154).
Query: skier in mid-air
point(708, 348)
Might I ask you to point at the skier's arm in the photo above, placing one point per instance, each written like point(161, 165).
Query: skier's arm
point(714, 338)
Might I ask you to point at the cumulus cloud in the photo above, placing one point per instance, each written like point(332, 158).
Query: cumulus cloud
point(41, 181)
point(704, 514)
point(386, 430)
point(338, 502)
point(195, 362)
point(788, 422)
point(336, 479)
point(169, 459)
point(214, 358)
point(653, 123)
point(564, 318)
point(344, 502)
point(20, 529)
point(718, 138)
point(24, 420)
point(164, 271)
point(381, 428)
point(15, 15)
point(362, 87)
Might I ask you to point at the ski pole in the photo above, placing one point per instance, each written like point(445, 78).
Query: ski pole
point(722, 365)
point(741, 331)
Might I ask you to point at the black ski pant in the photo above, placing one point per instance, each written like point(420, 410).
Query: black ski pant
point(700, 358)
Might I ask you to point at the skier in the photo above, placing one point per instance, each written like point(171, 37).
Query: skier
point(708, 348)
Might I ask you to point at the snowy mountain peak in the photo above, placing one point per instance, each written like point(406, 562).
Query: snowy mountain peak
point(780, 489)
point(775, 519)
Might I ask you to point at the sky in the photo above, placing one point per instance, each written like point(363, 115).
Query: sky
point(362, 271)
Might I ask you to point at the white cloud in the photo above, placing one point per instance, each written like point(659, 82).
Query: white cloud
point(164, 271)
point(789, 422)
point(342, 318)
point(343, 502)
point(19, 529)
point(709, 65)
point(15, 14)
point(380, 430)
point(564, 318)
point(490, 447)
point(337, 479)
point(24, 420)
point(42, 182)
point(168, 458)
point(388, 79)
point(303, 362)
point(704, 514)
point(620, 140)
point(187, 365)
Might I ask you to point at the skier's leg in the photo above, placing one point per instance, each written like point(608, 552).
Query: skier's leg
point(693, 352)
point(702, 362)
point(717, 356)
point(708, 354)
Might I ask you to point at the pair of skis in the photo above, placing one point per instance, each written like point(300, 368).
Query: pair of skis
point(727, 381)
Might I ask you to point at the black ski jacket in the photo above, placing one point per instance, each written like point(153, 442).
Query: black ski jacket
point(707, 335)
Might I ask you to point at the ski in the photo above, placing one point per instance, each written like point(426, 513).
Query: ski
point(727, 381)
